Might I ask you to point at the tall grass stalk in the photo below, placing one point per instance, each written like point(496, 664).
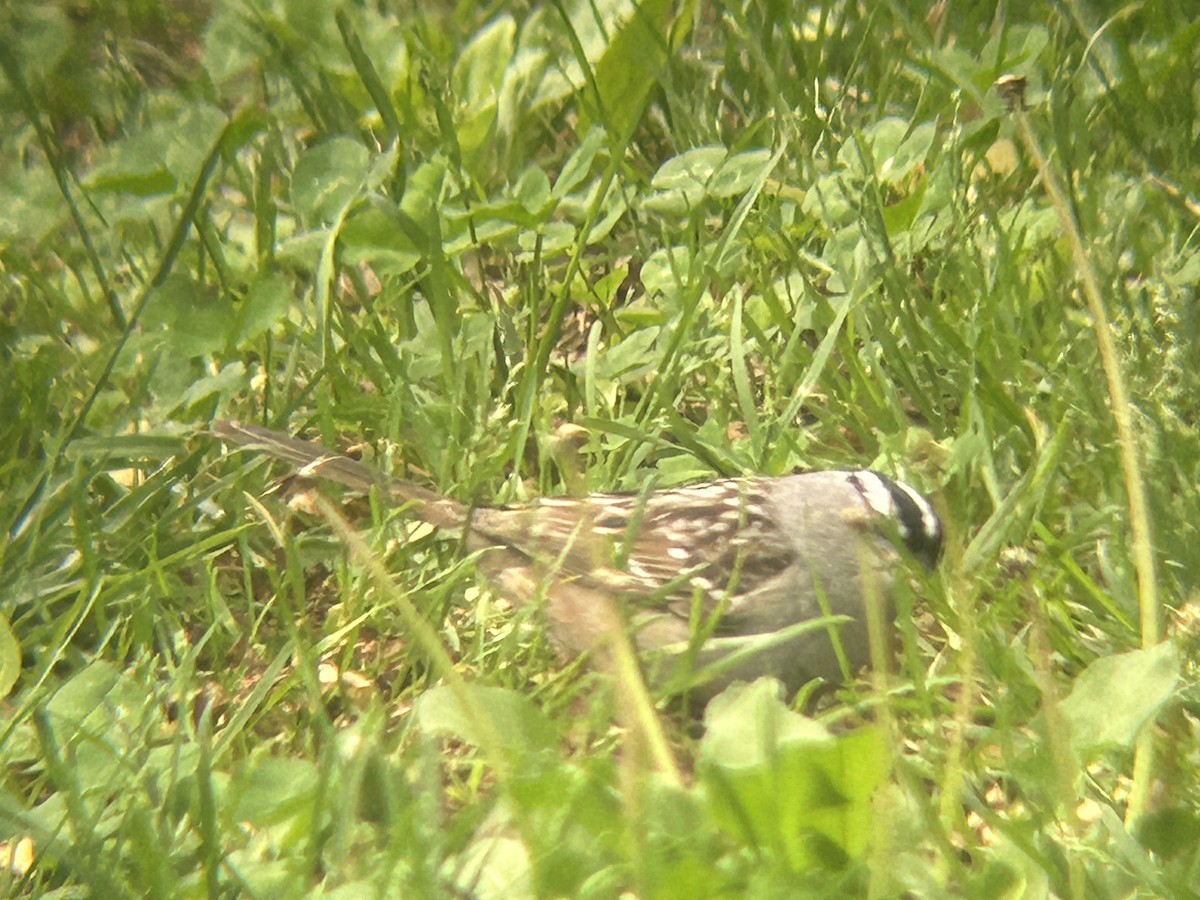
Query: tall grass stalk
point(1131, 462)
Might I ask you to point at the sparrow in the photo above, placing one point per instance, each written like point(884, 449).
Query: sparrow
point(717, 582)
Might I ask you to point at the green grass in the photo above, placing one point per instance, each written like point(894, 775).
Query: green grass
point(721, 239)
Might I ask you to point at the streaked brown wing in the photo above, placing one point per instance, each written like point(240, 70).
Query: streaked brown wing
point(661, 547)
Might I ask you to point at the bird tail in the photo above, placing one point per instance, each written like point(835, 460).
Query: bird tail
point(314, 461)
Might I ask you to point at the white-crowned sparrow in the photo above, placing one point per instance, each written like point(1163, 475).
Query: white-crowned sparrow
point(722, 581)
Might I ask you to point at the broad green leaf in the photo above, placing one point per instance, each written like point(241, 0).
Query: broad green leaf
point(740, 172)
point(98, 714)
point(747, 725)
point(899, 216)
point(555, 237)
point(592, 24)
point(1186, 273)
point(231, 45)
point(533, 191)
point(192, 136)
point(266, 303)
point(680, 184)
point(512, 717)
point(477, 81)
point(480, 67)
point(626, 360)
point(1114, 697)
point(45, 35)
point(630, 67)
point(34, 206)
point(10, 657)
point(84, 693)
point(829, 200)
point(275, 789)
point(897, 165)
point(327, 177)
point(228, 380)
point(168, 154)
point(371, 237)
point(579, 163)
point(779, 780)
point(665, 270)
point(136, 165)
point(193, 323)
